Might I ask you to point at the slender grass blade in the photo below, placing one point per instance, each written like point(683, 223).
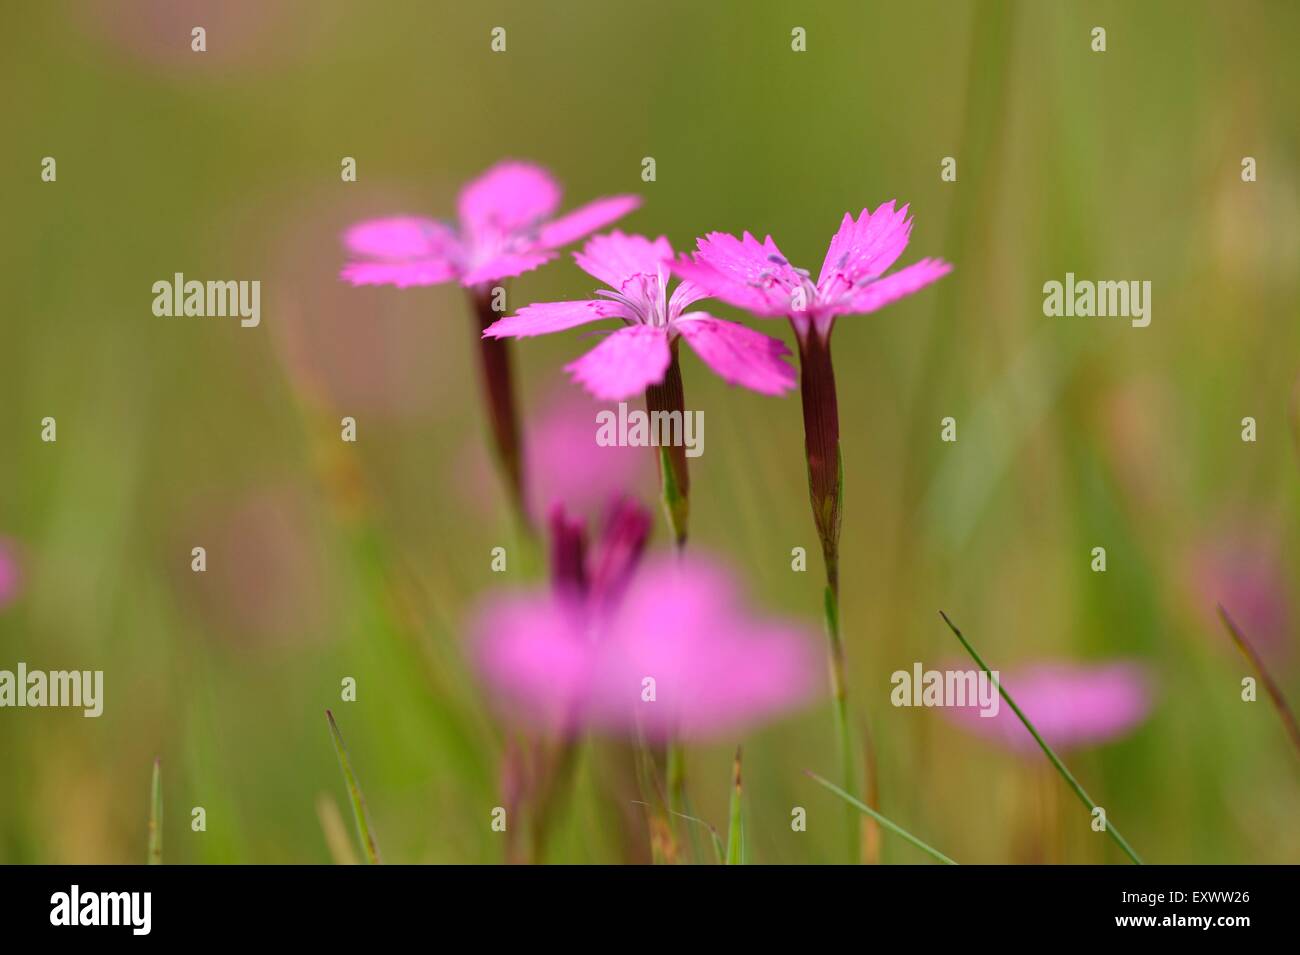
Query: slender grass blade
point(892, 827)
point(1051, 755)
point(1270, 686)
point(156, 816)
point(354, 793)
point(736, 828)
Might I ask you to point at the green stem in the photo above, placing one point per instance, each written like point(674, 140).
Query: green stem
point(1060, 766)
point(668, 398)
point(839, 699)
point(354, 794)
point(1270, 685)
point(676, 770)
point(555, 790)
point(864, 808)
point(156, 816)
point(736, 821)
point(821, 429)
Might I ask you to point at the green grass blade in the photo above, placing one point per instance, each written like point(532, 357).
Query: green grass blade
point(864, 808)
point(1055, 760)
point(718, 850)
point(1270, 686)
point(335, 831)
point(354, 793)
point(156, 815)
point(736, 829)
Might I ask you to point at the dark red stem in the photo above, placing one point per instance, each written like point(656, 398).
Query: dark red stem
point(497, 381)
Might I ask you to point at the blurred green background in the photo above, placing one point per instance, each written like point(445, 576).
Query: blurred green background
point(1073, 433)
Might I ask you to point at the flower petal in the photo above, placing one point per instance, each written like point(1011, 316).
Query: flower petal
point(585, 220)
point(542, 318)
point(624, 363)
point(504, 266)
point(891, 288)
point(401, 237)
point(400, 274)
point(509, 196)
point(534, 655)
point(865, 248)
point(683, 623)
point(743, 272)
point(1071, 705)
point(686, 294)
point(616, 257)
point(739, 355)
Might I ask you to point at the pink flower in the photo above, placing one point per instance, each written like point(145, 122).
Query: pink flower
point(563, 463)
point(1244, 572)
point(1072, 706)
point(638, 355)
point(506, 228)
point(757, 277)
point(266, 586)
point(10, 576)
point(670, 652)
point(569, 467)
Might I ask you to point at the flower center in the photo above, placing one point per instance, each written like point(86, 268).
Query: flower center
point(643, 295)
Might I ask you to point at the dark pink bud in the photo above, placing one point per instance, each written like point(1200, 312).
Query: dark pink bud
point(627, 528)
point(568, 554)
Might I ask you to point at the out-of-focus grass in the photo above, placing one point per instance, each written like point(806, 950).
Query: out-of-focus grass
point(1072, 432)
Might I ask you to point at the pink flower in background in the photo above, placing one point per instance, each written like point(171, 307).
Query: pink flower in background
point(564, 660)
point(1072, 706)
point(250, 35)
point(362, 349)
point(506, 227)
point(267, 581)
point(566, 465)
point(757, 277)
point(563, 462)
point(638, 355)
point(1244, 572)
point(10, 576)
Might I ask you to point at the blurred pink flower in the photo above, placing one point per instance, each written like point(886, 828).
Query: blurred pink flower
point(363, 350)
point(1073, 706)
point(566, 465)
point(637, 355)
point(565, 660)
point(266, 582)
point(251, 33)
point(505, 230)
point(563, 462)
point(1244, 573)
point(10, 575)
